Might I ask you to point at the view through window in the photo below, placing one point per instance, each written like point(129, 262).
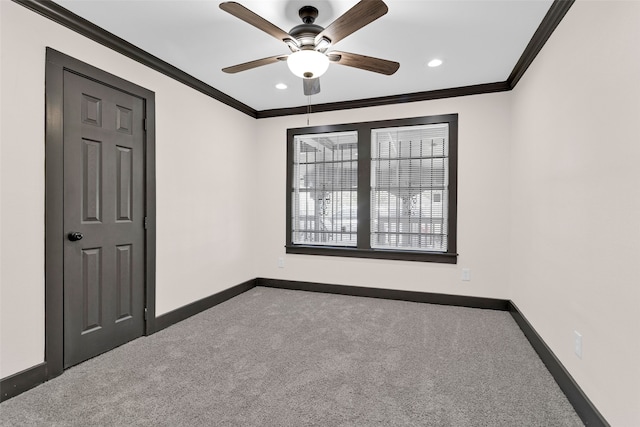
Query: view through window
point(377, 189)
point(325, 196)
point(409, 186)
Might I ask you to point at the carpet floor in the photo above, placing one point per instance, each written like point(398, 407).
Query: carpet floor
point(272, 357)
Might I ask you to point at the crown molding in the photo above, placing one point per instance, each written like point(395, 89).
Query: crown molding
point(388, 100)
point(62, 16)
point(551, 20)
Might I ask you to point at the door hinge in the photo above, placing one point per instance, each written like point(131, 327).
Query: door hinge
point(146, 223)
point(145, 313)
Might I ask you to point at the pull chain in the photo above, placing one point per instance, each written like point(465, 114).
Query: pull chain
point(308, 108)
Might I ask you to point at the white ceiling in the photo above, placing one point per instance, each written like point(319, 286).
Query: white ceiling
point(479, 41)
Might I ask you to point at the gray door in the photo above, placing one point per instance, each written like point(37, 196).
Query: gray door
point(104, 203)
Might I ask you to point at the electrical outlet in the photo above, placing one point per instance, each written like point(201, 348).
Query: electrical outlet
point(577, 344)
point(280, 262)
point(466, 274)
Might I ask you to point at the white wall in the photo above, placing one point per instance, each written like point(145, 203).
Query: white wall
point(483, 204)
point(203, 152)
point(576, 200)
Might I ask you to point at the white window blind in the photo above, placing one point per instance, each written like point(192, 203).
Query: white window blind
point(409, 187)
point(325, 189)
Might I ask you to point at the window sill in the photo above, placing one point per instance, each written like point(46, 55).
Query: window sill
point(444, 258)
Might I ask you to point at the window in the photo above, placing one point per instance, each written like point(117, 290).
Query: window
point(374, 190)
point(408, 179)
point(325, 199)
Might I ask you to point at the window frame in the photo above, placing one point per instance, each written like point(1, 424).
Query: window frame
point(363, 249)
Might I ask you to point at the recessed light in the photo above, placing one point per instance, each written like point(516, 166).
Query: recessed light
point(281, 86)
point(435, 63)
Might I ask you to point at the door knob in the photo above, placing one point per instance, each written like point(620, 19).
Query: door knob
point(75, 236)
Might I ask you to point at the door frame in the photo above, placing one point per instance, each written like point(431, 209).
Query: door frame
point(56, 65)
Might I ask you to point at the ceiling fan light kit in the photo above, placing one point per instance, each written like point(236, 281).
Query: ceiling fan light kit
point(310, 43)
point(308, 64)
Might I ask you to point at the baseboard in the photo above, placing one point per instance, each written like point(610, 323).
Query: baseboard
point(22, 381)
point(392, 294)
point(182, 313)
point(587, 412)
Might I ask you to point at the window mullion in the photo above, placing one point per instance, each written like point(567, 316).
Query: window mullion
point(364, 187)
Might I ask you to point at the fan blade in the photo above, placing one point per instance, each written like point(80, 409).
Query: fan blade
point(363, 13)
point(311, 86)
point(253, 64)
point(363, 62)
point(241, 12)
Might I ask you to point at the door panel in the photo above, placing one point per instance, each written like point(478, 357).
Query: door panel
point(124, 283)
point(91, 180)
point(103, 200)
point(91, 290)
point(125, 183)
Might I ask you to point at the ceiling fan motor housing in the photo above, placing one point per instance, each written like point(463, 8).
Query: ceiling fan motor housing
point(306, 34)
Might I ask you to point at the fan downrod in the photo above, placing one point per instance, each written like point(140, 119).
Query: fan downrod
point(308, 14)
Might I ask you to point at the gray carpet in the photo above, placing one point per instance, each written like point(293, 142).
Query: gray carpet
point(273, 357)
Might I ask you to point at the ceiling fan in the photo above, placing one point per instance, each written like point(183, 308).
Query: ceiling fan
point(310, 43)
